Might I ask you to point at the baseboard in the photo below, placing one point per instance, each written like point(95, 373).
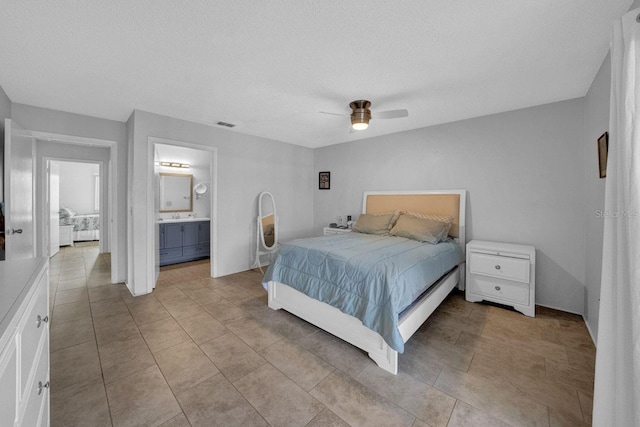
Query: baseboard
point(560, 309)
point(590, 332)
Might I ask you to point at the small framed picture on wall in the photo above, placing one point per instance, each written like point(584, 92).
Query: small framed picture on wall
point(324, 180)
point(603, 152)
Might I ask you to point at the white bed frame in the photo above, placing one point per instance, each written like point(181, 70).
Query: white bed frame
point(86, 235)
point(350, 328)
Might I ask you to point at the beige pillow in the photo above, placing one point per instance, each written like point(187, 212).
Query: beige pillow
point(394, 217)
point(375, 224)
point(441, 218)
point(420, 229)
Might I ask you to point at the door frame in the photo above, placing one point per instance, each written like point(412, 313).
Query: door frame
point(47, 208)
point(115, 246)
point(151, 213)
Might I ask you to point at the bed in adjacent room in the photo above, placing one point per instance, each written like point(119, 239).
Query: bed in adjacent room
point(375, 286)
point(86, 227)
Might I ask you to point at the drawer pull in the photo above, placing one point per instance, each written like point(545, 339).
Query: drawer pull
point(42, 386)
point(498, 267)
point(39, 320)
point(497, 288)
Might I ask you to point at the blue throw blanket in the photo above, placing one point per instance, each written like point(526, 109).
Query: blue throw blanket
point(373, 278)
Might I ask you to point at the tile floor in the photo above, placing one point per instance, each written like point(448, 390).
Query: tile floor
point(202, 351)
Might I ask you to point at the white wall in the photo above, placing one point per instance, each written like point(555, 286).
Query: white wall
point(596, 123)
point(523, 171)
point(77, 186)
point(247, 165)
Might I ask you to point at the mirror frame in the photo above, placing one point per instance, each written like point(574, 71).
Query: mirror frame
point(261, 218)
point(190, 209)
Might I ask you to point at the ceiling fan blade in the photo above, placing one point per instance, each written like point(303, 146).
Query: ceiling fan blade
point(391, 114)
point(334, 114)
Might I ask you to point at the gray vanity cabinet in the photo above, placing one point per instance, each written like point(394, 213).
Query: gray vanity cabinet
point(183, 241)
point(190, 233)
point(173, 235)
point(204, 233)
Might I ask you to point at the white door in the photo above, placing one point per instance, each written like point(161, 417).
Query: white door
point(18, 191)
point(53, 172)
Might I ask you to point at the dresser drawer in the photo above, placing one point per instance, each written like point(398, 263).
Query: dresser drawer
point(8, 375)
point(500, 267)
point(500, 289)
point(32, 327)
point(37, 396)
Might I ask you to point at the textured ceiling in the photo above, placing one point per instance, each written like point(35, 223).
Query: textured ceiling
point(271, 67)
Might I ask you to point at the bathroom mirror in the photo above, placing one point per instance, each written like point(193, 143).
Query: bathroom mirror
point(201, 189)
point(175, 192)
point(267, 227)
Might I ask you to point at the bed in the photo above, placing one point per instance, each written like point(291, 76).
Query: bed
point(86, 227)
point(358, 325)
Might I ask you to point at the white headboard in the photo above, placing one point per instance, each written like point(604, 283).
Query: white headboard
point(435, 202)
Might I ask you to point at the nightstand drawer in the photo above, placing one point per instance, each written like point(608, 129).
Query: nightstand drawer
point(500, 290)
point(500, 267)
point(330, 231)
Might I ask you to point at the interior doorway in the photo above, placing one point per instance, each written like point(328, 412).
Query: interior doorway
point(75, 198)
point(104, 154)
point(199, 162)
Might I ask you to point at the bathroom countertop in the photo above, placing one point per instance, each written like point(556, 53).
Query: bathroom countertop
point(188, 219)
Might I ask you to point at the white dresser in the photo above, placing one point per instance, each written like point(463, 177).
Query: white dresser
point(502, 273)
point(24, 342)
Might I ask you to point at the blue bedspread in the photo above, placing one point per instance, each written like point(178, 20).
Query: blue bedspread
point(372, 278)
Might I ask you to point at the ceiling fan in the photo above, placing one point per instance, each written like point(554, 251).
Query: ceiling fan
point(361, 114)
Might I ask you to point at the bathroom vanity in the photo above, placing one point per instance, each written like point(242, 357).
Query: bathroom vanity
point(183, 240)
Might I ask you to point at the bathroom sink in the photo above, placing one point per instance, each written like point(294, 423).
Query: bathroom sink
point(188, 219)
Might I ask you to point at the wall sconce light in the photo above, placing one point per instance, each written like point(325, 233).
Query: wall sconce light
point(175, 165)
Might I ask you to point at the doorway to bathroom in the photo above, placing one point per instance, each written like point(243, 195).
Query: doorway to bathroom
point(184, 211)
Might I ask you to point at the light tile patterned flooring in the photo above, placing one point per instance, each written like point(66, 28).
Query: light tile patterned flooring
point(202, 351)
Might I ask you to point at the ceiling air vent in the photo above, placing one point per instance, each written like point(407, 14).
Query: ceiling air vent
point(229, 125)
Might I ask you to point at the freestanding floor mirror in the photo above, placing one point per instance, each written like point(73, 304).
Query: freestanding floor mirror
point(267, 228)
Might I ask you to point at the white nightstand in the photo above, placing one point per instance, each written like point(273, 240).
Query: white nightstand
point(66, 235)
point(502, 273)
point(328, 231)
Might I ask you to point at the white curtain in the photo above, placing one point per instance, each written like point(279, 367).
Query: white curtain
point(617, 377)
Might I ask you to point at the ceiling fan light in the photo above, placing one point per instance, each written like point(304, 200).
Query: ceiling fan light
point(360, 117)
